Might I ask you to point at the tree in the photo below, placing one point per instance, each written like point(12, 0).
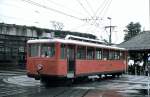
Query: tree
point(57, 25)
point(132, 29)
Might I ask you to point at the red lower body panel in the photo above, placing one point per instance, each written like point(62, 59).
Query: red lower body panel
point(49, 67)
point(99, 66)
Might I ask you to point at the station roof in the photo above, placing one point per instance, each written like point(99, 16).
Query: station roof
point(139, 42)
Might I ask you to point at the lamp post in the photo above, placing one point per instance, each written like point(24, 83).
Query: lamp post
point(110, 30)
point(149, 14)
point(148, 69)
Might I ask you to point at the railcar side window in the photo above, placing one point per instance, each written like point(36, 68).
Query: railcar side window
point(117, 55)
point(47, 50)
point(98, 53)
point(122, 55)
point(105, 54)
point(33, 50)
point(81, 52)
point(114, 55)
point(90, 53)
point(63, 56)
point(111, 55)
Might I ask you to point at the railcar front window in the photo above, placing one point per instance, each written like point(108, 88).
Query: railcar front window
point(33, 50)
point(47, 50)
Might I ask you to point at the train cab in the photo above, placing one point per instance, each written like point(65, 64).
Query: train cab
point(64, 58)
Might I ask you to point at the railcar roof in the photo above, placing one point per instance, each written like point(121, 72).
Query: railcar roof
point(82, 43)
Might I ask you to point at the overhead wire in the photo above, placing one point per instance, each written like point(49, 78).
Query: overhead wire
point(22, 7)
point(17, 18)
point(43, 6)
point(48, 8)
point(96, 18)
point(103, 6)
point(26, 19)
point(95, 13)
point(51, 9)
point(90, 7)
point(86, 11)
point(60, 5)
point(103, 10)
point(107, 8)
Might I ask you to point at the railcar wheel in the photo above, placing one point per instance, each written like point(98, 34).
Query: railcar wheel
point(56, 82)
point(100, 76)
point(37, 78)
point(68, 82)
point(113, 75)
point(44, 81)
point(82, 79)
point(119, 74)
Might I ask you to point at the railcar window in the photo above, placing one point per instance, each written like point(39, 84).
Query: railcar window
point(114, 55)
point(47, 50)
point(105, 54)
point(33, 50)
point(98, 53)
point(111, 55)
point(63, 56)
point(122, 55)
point(90, 53)
point(117, 55)
point(81, 52)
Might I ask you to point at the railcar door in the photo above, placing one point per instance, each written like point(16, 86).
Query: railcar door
point(71, 61)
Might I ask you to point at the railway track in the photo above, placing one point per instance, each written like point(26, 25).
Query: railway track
point(72, 93)
point(118, 87)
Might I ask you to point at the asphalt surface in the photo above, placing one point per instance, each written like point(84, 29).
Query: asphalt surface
point(17, 84)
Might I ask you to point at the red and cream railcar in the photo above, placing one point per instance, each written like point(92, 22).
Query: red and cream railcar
point(63, 58)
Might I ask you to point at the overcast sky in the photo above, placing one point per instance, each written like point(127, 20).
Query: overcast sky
point(73, 14)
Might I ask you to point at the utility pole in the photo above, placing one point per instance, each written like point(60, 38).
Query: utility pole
point(149, 14)
point(110, 30)
point(148, 64)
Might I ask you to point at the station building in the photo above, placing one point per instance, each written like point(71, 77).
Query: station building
point(13, 40)
point(139, 50)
